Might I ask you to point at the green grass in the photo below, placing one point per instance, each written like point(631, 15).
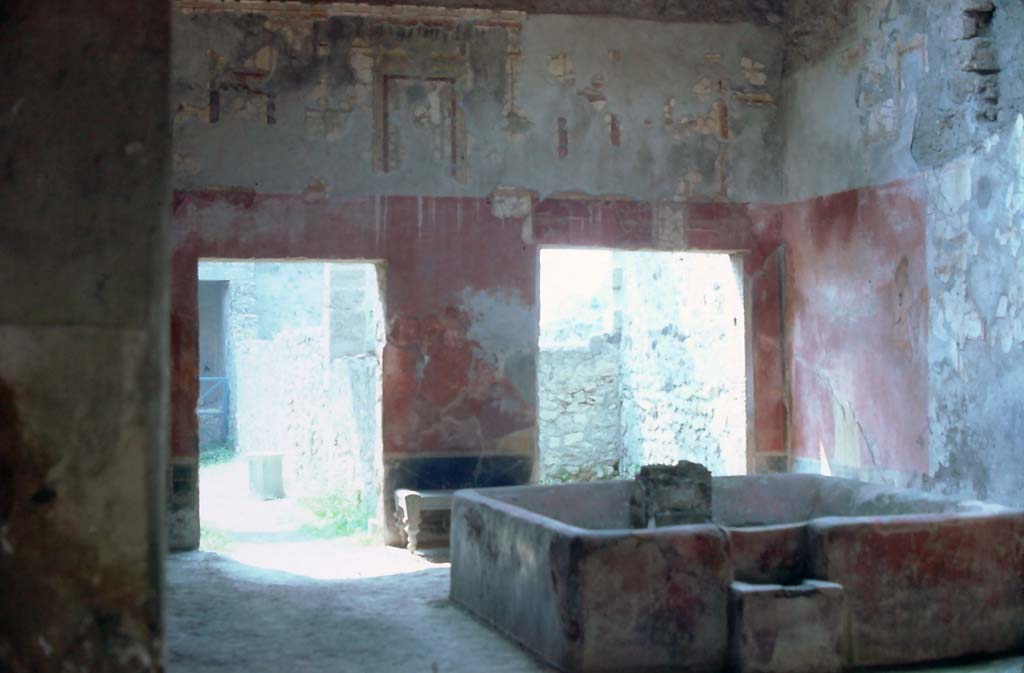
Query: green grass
point(213, 539)
point(337, 515)
point(217, 454)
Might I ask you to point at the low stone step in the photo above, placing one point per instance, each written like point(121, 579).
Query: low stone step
point(266, 475)
point(777, 628)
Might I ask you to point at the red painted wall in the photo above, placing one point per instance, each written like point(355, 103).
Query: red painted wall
point(855, 307)
point(446, 390)
point(837, 291)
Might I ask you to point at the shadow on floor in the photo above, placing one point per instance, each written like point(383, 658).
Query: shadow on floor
point(227, 616)
point(966, 665)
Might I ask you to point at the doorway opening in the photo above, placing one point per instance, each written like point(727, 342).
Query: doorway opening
point(642, 360)
point(289, 405)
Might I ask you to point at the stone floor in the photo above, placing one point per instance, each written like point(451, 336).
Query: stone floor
point(382, 611)
point(267, 595)
point(341, 606)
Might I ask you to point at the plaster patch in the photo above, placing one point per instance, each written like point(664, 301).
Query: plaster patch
point(955, 184)
point(668, 112)
point(362, 60)
point(561, 67)
point(500, 322)
point(754, 71)
point(703, 88)
point(595, 92)
point(688, 186)
point(185, 165)
point(262, 61)
point(187, 111)
point(247, 107)
point(714, 122)
point(882, 120)
point(509, 202)
point(753, 98)
point(670, 226)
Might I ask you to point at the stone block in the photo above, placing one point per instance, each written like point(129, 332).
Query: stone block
point(926, 587)
point(590, 601)
point(979, 56)
point(769, 554)
point(966, 27)
point(982, 6)
point(266, 480)
point(974, 87)
point(786, 629)
point(672, 495)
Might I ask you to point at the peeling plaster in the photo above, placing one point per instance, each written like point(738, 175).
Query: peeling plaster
point(977, 333)
point(327, 94)
point(561, 67)
point(498, 323)
point(754, 71)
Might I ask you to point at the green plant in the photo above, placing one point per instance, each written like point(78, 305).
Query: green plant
point(337, 514)
point(213, 539)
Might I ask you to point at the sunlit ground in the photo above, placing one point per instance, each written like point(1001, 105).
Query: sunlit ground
point(286, 535)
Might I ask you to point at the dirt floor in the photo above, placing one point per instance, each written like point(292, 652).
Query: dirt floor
point(276, 597)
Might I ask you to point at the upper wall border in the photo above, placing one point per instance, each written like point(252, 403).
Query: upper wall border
point(394, 13)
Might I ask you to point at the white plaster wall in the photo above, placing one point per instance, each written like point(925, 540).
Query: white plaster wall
point(683, 367)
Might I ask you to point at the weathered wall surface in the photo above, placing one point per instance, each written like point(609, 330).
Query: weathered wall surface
point(214, 396)
point(459, 364)
point(301, 133)
point(976, 343)
point(880, 91)
point(293, 101)
point(682, 361)
point(761, 12)
point(211, 337)
point(877, 90)
point(578, 415)
point(83, 334)
point(856, 298)
point(850, 94)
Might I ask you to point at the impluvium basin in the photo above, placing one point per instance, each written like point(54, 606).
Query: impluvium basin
point(794, 573)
